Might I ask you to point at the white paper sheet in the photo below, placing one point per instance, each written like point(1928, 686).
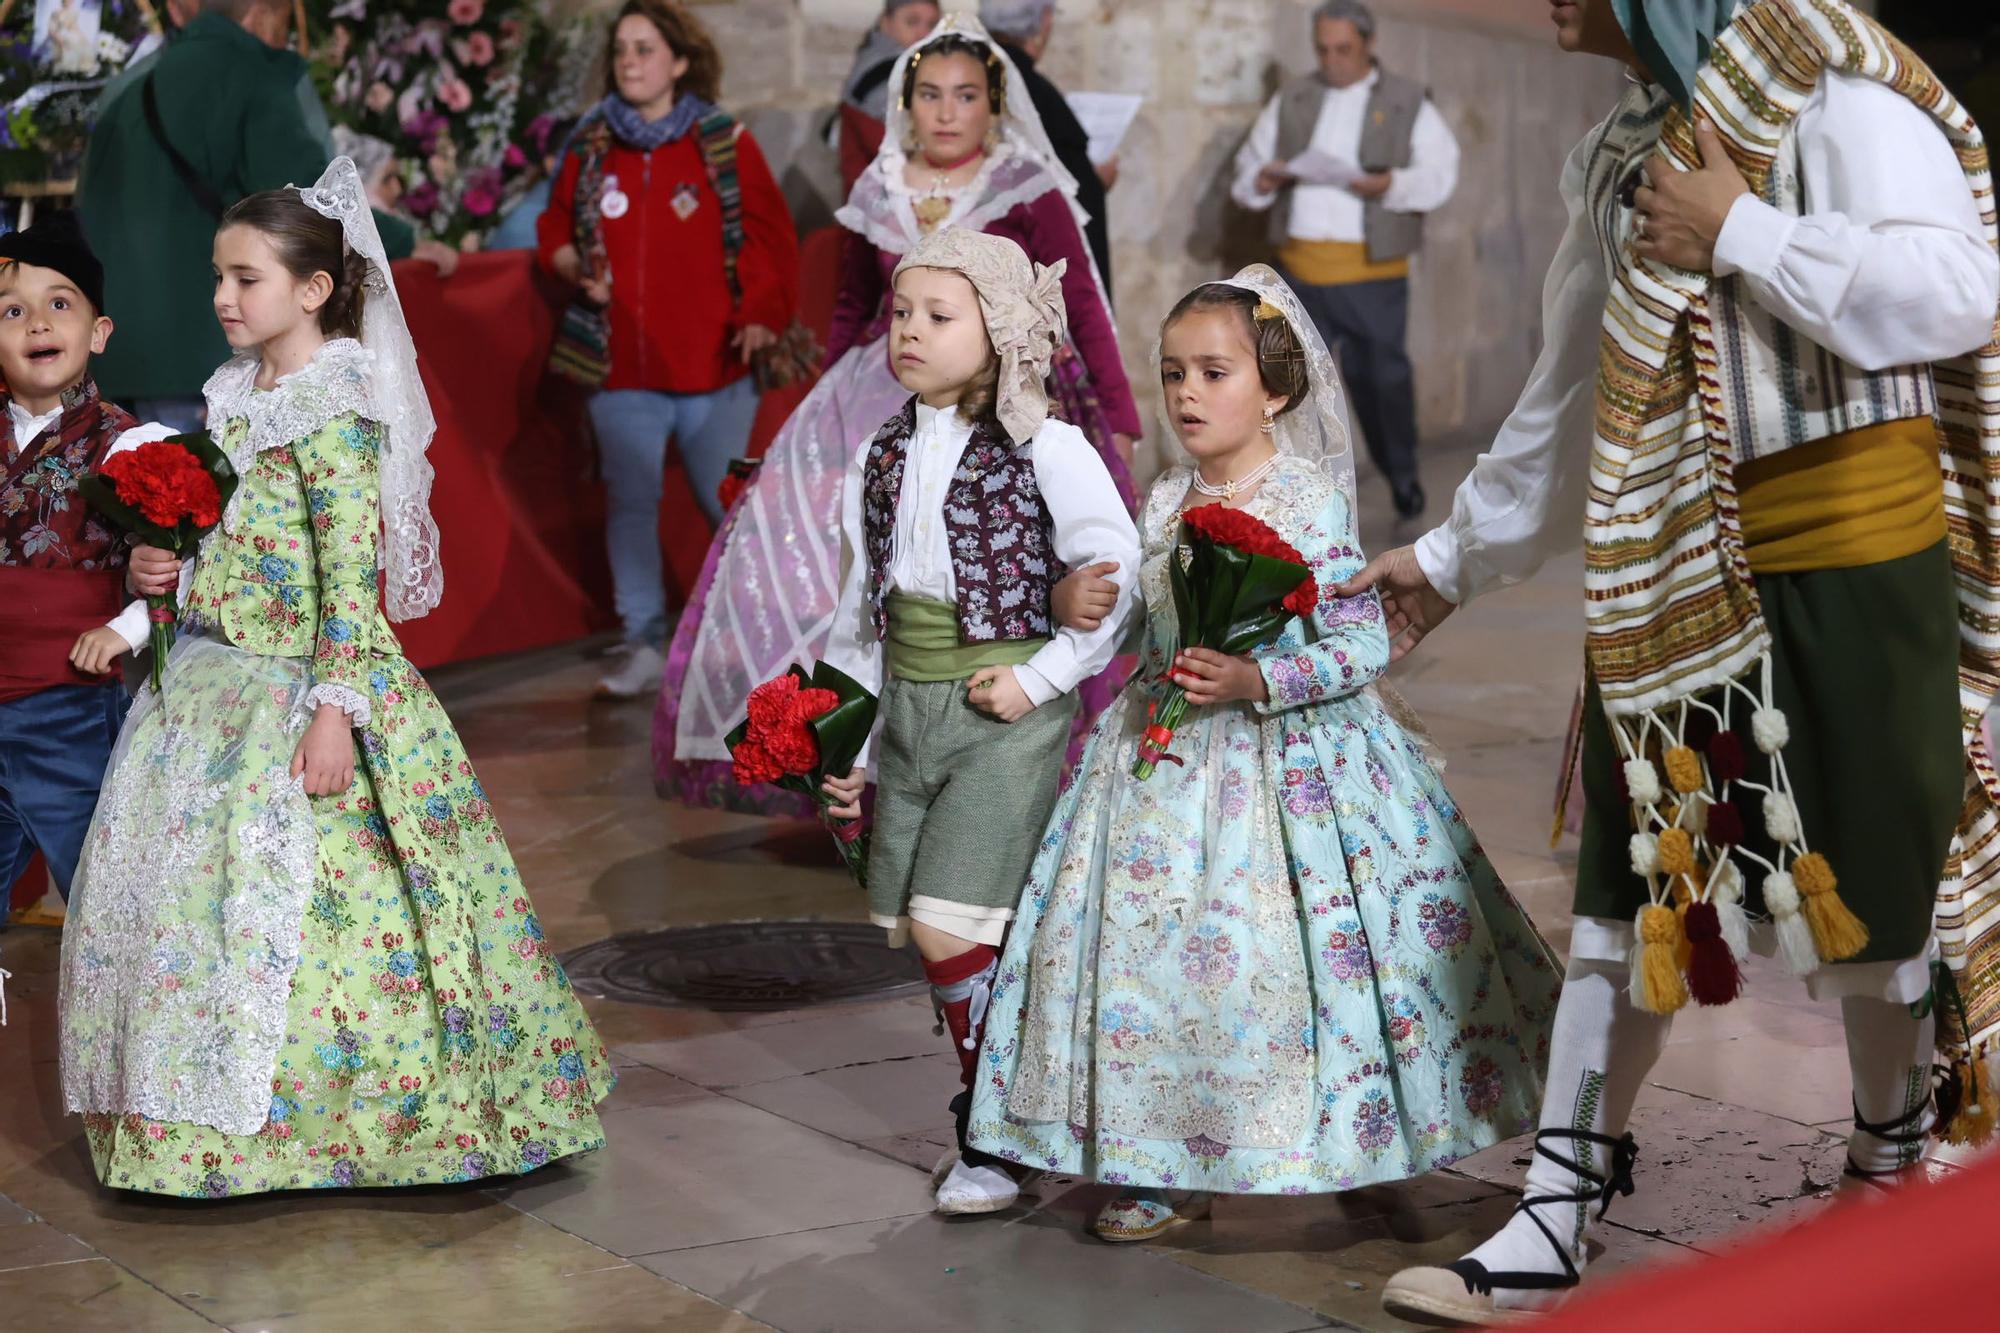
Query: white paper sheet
point(1105, 118)
point(1313, 167)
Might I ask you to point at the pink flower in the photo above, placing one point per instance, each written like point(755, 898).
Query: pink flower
point(156, 1132)
point(379, 97)
point(476, 48)
point(515, 158)
point(453, 92)
point(463, 12)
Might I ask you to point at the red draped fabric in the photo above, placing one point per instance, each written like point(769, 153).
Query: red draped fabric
point(1921, 1258)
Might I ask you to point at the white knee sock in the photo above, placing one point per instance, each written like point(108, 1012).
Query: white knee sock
point(1889, 1053)
point(1601, 1050)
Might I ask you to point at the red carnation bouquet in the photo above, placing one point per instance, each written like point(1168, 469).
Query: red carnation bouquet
point(801, 728)
point(168, 493)
point(1237, 586)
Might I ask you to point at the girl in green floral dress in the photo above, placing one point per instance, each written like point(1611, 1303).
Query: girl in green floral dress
point(298, 951)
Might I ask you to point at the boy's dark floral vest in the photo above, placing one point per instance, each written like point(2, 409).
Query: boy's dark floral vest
point(44, 523)
point(1002, 539)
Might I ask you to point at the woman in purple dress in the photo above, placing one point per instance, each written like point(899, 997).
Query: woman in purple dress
point(963, 148)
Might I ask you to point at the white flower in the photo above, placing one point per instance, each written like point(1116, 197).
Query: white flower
point(1770, 730)
point(1642, 780)
point(1781, 894)
point(1781, 818)
point(1645, 854)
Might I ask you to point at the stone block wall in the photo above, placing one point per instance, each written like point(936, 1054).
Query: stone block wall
point(1205, 68)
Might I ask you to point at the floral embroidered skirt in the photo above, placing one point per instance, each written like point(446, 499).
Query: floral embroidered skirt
point(265, 991)
point(1286, 967)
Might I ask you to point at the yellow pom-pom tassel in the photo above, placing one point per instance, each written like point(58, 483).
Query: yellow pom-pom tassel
point(1676, 852)
point(1837, 933)
point(1683, 946)
point(1657, 984)
point(1977, 1111)
point(1684, 769)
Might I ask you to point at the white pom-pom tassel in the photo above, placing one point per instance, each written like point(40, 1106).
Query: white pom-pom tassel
point(1795, 941)
point(1770, 730)
point(1645, 854)
point(1694, 815)
point(1781, 819)
point(1642, 780)
point(1727, 895)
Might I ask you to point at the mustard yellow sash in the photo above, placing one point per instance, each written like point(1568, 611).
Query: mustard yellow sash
point(1858, 498)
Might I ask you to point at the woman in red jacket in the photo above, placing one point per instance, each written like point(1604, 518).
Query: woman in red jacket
point(659, 193)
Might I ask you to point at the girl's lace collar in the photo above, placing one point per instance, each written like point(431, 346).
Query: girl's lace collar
point(335, 382)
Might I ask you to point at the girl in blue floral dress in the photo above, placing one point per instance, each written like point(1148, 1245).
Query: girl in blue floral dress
point(1283, 965)
point(298, 952)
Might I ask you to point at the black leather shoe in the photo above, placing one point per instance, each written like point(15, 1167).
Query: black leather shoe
point(1410, 503)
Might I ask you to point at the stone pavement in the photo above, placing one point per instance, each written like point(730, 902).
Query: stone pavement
point(769, 1170)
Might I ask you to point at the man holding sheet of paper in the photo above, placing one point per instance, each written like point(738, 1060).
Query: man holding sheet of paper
point(1348, 160)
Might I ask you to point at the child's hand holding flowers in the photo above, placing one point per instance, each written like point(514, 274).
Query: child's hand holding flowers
point(1208, 677)
point(846, 793)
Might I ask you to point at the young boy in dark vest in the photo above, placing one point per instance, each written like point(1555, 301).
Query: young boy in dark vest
point(959, 516)
point(64, 616)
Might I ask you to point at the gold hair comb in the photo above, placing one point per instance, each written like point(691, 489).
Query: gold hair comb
point(1265, 310)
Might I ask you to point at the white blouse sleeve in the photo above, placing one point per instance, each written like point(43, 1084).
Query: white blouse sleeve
point(1890, 264)
point(1260, 150)
point(1523, 500)
point(1091, 526)
point(1432, 175)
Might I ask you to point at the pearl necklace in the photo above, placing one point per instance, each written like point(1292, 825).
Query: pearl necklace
point(1229, 490)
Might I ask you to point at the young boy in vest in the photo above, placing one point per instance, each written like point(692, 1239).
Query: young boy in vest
point(959, 516)
point(64, 617)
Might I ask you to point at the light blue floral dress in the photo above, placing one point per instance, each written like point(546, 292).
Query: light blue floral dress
point(1284, 967)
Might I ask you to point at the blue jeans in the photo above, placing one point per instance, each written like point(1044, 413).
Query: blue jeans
point(633, 426)
point(54, 745)
point(186, 415)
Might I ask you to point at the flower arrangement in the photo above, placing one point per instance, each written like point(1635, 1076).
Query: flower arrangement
point(50, 91)
point(1236, 587)
point(464, 91)
point(167, 493)
point(800, 729)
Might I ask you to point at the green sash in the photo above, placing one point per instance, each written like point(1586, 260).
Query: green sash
point(923, 643)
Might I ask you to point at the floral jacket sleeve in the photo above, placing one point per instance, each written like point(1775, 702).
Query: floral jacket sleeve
point(340, 464)
point(1346, 645)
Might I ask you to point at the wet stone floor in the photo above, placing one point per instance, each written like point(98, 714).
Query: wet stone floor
point(770, 1170)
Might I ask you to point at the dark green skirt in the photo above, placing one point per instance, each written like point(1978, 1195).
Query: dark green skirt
point(1865, 669)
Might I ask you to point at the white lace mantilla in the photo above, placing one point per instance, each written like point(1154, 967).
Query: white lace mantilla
point(335, 382)
point(183, 935)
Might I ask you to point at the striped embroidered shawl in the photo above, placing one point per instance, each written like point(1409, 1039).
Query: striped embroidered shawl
point(1672, 611)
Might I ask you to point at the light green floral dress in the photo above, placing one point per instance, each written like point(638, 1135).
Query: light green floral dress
point(263, 990)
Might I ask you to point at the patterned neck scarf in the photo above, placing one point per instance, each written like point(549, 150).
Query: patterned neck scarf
point(635, 131)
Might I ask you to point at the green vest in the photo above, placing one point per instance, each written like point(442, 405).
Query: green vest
point(247, 118)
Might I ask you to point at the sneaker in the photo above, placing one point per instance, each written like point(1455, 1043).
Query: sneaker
point(639, 674)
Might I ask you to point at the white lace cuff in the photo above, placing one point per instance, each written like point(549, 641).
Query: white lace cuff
point(344, 697)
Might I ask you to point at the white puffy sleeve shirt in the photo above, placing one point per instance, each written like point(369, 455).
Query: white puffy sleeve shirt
point(1090, 524)
point(1889, 265)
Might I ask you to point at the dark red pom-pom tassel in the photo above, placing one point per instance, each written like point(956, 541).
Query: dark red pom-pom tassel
point(1725, 824)
point(1725, 757)
point(1712, 974)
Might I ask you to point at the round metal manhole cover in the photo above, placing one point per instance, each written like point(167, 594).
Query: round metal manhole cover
point(747, 965)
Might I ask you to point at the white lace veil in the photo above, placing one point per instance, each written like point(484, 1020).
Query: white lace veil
point(415, 579)
point(1317, 429)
